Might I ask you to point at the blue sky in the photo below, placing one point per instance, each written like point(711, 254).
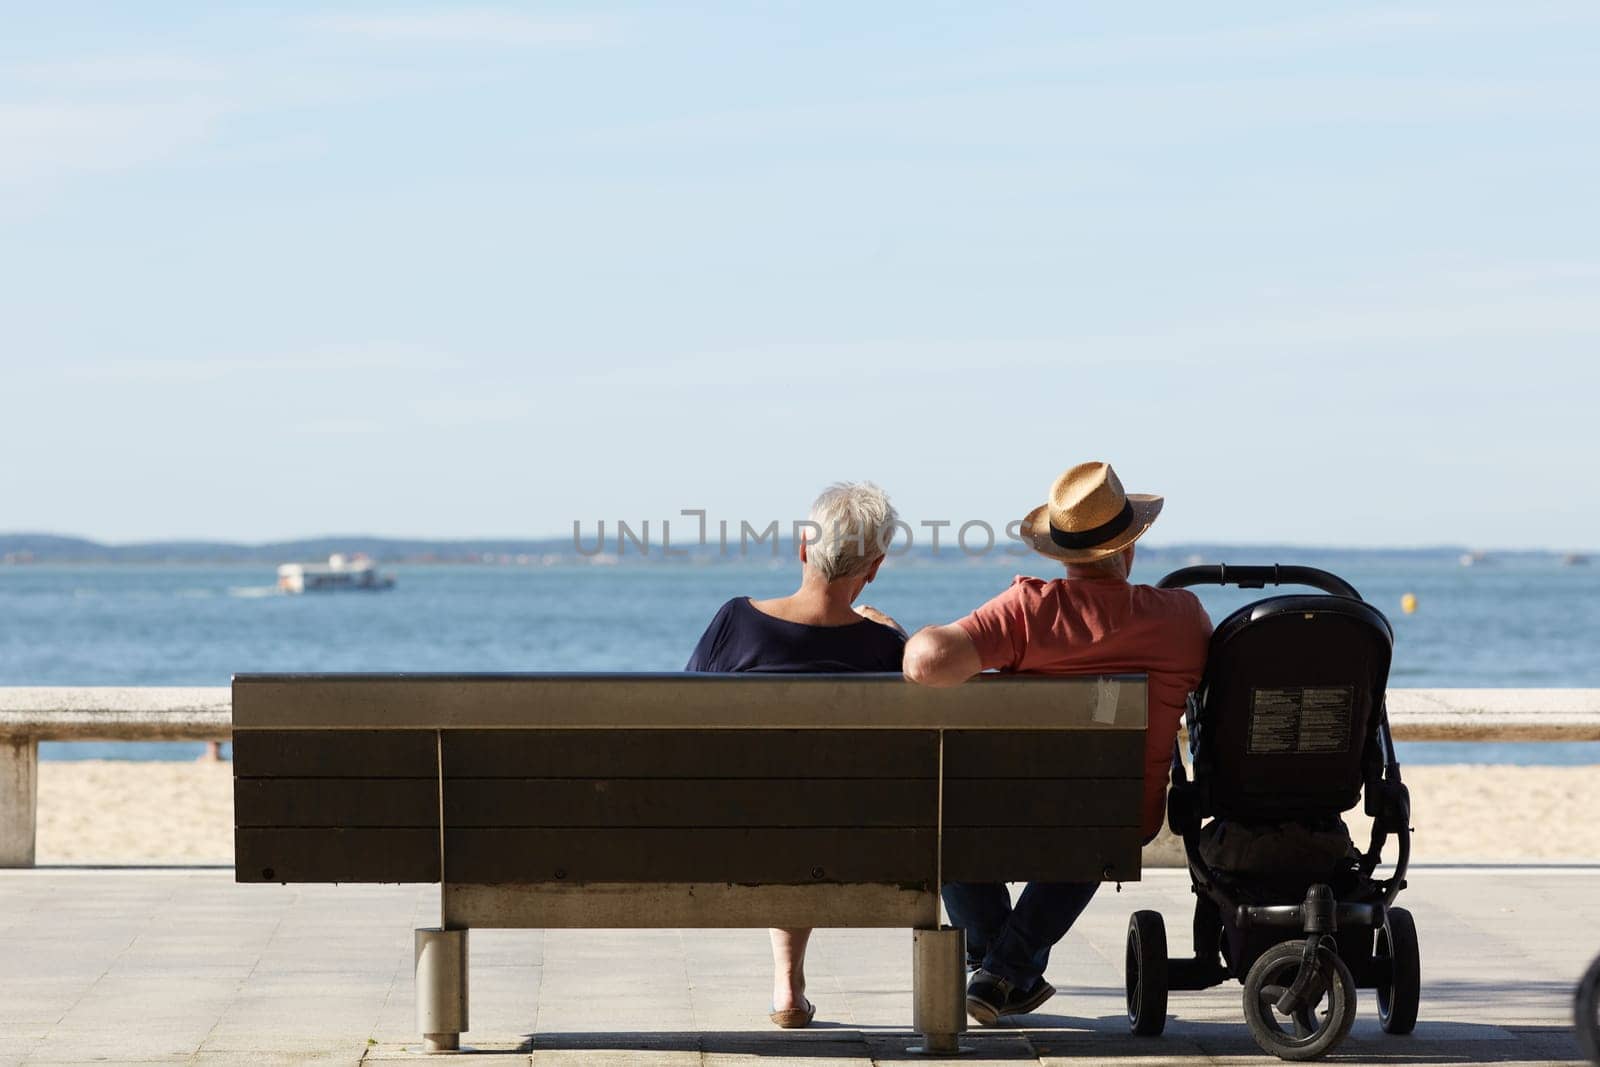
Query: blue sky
point(1323, 273)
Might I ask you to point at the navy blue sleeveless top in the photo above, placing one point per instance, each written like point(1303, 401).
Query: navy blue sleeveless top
point(741, 638)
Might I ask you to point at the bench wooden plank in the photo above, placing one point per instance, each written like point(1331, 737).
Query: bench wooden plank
point(1088, 802)
point(336, 754)
point(335, 855)
point(690, 753)
point(783, 856)
point(1041, 854)
point(682, 701)
point(1013, 754)
point(352, 802)
point(682, 802)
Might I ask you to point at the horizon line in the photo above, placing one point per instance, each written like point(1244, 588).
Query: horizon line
point(1169, 546)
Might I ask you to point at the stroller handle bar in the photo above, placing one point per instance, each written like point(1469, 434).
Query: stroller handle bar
point(1258, 577)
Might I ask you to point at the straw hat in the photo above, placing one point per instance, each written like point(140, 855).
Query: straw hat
point(1088, 516)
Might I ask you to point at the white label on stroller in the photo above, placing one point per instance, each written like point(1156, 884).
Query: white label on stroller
point(1105, 699)
point(1301, 720)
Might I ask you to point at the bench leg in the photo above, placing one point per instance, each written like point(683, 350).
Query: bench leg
point(19, 800)
point(939, 990)
point(441, 973)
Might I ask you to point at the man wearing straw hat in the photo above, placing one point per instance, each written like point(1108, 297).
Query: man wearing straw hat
point(1093, 621)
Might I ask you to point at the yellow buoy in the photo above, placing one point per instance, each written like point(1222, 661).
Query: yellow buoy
point(1408, 603)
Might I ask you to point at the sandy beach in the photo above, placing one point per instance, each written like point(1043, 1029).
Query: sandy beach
point(123, 812)
point(116, 811)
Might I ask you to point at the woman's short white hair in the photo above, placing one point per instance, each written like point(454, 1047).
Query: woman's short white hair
point(854, 524)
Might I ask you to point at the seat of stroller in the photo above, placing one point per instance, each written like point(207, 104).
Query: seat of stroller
point(1318, 849)
point(1273, 863)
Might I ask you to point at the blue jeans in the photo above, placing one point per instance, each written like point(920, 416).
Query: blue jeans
point(1014, 943)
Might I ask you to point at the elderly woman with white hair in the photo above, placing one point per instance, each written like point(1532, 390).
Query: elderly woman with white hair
point(815, 629)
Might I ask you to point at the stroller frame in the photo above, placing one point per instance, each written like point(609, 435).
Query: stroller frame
point(1291, 956)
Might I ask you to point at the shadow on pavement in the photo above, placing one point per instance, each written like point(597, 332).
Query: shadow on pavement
point(1093, 1040)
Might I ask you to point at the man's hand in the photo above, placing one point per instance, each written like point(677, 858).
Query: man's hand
point(941, 656)
point(867, 611)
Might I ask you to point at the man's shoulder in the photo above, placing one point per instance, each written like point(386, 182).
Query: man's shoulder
point(1180, 605)
point(1176, 599)
point(1028, 596)
point(1027, 587)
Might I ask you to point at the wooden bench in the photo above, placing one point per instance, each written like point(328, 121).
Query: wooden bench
point(684, 800)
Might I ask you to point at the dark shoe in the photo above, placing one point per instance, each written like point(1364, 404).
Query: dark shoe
point(991, 998)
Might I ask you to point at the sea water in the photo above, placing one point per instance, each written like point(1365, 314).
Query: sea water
point(1524, 622)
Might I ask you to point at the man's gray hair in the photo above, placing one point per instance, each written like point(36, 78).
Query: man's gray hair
point(856, 522)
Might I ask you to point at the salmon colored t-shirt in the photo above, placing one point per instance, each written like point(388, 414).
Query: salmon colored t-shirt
point(1103, 626)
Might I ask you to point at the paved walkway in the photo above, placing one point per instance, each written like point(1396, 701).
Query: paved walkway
point(183, 966)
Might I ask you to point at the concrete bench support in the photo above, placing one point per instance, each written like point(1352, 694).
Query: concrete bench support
point(441, 974)
point(19, 799)
point(939, 989)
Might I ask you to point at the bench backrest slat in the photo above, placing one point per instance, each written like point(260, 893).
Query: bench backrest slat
point(335, 854)
point(335, 754)
point(690, 753)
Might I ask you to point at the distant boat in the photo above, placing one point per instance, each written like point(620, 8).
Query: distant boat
point(1574, 559)
point(338, 574)
point(1472, 559)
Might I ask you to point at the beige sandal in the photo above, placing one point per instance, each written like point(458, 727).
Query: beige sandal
point(794, 1018)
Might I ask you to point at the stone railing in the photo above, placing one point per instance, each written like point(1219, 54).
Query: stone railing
point(137, 713)
point(1495, 714)
point(101, 713)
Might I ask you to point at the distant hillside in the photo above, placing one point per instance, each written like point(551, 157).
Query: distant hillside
point(47, 548)
point(51, 548)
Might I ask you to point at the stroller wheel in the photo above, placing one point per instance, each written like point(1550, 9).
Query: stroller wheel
point(1397, 1000)
point(1317, 1025)
point(1146, 973)
point(1586, 1012)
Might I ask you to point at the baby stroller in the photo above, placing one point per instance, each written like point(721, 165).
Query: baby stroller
point(1286, 732)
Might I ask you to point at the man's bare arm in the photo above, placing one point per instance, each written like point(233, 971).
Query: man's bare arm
point(941, 656)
